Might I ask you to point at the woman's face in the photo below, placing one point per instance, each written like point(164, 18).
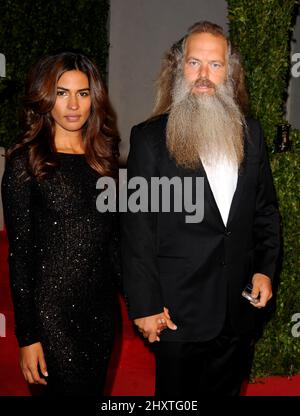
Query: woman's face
point(73, 101)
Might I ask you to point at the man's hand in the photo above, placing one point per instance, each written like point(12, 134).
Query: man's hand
point(151, 326)
point(262, 286)
point(32, 357)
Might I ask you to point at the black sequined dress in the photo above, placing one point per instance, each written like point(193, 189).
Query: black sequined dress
point(63, 260)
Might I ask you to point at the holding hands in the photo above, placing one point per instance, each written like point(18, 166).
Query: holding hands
point(151, 326)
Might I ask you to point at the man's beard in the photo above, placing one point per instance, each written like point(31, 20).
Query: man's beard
point(204, 127)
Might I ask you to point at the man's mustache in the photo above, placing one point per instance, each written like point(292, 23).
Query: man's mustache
point(204, 82)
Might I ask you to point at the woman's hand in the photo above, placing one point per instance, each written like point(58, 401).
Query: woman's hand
point(32, 358)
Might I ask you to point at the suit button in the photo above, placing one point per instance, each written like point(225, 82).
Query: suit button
point(227, 233)
point(224, 264)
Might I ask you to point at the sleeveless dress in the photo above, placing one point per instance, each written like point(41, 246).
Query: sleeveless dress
point(64, 270)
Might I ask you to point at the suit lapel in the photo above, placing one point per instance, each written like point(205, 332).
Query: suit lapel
point(236, 196)
point(240, 184)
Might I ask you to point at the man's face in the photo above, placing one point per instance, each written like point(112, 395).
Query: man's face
point(205, 62)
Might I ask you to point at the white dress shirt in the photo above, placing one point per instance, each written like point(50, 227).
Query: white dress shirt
point(222, 177)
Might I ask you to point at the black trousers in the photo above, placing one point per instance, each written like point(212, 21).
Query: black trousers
point(192, 369)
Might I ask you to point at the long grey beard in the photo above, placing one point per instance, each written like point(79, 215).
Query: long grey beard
point(206, 127)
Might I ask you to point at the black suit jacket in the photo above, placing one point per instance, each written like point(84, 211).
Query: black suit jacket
point(199, 270)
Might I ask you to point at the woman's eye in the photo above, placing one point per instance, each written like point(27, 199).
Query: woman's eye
point(61, 93)
point(84, 93)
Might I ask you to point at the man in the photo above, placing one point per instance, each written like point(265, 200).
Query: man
point(183, 281)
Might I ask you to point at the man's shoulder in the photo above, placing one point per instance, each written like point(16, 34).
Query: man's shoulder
point(150, 133)
point(253, 129)
point(153, 124)
point(254, 136)
point(252, 123)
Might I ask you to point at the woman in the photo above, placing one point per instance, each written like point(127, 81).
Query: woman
point(62, 251)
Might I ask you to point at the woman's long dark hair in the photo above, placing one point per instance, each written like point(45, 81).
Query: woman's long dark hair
point(100, 136)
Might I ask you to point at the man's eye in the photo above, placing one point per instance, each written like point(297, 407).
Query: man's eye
point(193, 63)
point(216, 65)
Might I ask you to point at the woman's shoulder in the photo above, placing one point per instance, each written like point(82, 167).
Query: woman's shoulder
point(16, 162)
point(17, 157)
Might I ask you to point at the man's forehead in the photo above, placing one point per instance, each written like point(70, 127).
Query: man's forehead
point(206, 42)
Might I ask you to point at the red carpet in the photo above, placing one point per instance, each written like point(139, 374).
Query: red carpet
point(131, 371)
